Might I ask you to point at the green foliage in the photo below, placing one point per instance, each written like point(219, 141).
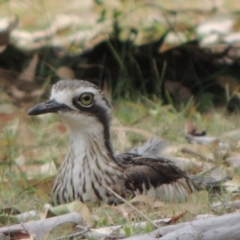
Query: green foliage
point(128, 231)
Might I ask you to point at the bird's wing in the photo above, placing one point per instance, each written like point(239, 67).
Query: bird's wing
point(157, 177)
point(152, 147)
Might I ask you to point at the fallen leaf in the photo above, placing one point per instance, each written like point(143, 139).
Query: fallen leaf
point(65, 72)
point(232, 185)
point(174, 219)
point(219, 172)
point(106, 90)
point(233, 161)
point(179, 92)
point(190, 129)
point(158, 204)
point(76, 206)
point(28, 73)
point(40, 188)
point(7, 108)
point(5, 34)
point(229, 82)
point(196, 204)
point(191, 165)
point(202, 139)
point(48, 169)
point(229, 206)
point(113, 231)
point(142, 201)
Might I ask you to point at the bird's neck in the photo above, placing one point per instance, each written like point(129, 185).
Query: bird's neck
point(85, 134)
point(88, 167)
point(93, 145)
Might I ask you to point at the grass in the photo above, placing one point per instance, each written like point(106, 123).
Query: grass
point(40, 140)
point(46, 141)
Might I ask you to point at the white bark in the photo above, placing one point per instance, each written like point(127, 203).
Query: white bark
point(225, 227)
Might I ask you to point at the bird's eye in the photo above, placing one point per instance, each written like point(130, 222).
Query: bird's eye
point(86, 99)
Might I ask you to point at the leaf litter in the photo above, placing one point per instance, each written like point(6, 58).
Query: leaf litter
point(165, 213)
point(199, 156)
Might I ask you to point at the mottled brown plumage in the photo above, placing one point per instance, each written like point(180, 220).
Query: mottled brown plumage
point(91, 164)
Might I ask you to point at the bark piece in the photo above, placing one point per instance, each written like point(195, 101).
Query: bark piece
point(41, 227)
point(222, 228)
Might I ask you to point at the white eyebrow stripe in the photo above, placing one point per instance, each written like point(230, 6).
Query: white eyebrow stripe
point(66, 95)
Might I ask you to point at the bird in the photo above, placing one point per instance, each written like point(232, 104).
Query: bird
point(91, 166)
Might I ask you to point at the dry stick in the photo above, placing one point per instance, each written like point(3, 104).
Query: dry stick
point(130, 205)
point(74, 235)
point(189, 151)
point(212, 168)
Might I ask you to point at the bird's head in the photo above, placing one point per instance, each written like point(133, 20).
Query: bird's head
point(81, 105)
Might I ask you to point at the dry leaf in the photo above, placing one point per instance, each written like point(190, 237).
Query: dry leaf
point(191, 165)
point(201, 139)
point(49, 169)
point(76, 206)
point(106, 232)
point(202, 152)
point(65, 73)
point(140, 201)
point(232, 185)
point(82, 209)
point(4, 35)
point(219, 172)
point(229, 82)
point(121, 208)
point(177, 217)
point(20, 161)
point(158, 204)
point(229, 206)
point(233, 161)
point(42, 187)
point(178, 91)
point(16, 93)
point(190, 129)
point(196, 204)
point(7, 108)
point(23, 132)
point(31, 171)
point(106, 90)
point(28, 73)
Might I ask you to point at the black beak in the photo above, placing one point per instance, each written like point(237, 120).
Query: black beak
point(50, 106)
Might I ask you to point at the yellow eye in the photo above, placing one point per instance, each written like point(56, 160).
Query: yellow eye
point(86, 99)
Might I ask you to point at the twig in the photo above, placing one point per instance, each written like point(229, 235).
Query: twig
point(189, 151)
point(211, 169)
point(74, 235)
point(130, 205)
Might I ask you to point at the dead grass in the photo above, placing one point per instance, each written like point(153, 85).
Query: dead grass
point(27, 144)
point(41, 140)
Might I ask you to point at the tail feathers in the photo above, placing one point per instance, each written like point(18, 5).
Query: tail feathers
point(208, 183)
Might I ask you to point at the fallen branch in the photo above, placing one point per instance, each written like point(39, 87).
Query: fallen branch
point(221, 228)
point(41, 227)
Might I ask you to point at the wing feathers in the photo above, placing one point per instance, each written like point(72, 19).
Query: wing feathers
point(157, 177)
